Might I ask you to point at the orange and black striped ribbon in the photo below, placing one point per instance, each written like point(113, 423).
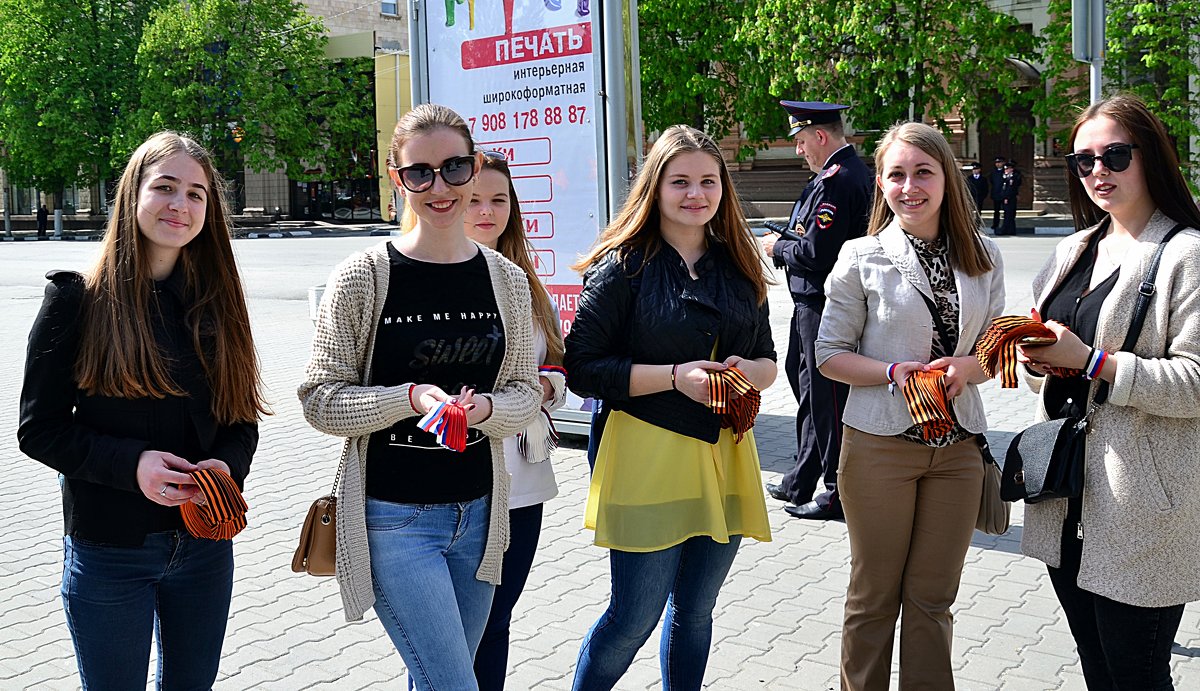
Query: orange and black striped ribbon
point(734, 398)
point(997, 348)
point(223, 515)
point(925, 394)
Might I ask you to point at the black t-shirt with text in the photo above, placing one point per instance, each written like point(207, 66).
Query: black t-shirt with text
point(440, 325)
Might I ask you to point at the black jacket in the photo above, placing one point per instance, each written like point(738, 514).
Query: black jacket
point(833, 208)
point(95, 441)
point(662, 317)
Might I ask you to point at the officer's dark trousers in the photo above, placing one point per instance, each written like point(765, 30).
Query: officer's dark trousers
point(997, 209)
point(1010, 218)
point(819, 418)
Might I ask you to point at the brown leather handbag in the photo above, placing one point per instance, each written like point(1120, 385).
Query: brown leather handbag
point(315, 554)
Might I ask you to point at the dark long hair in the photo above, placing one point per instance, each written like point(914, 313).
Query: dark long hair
point(1160, 163)
point(515, 247)
point(636, 226)
point(118, 355)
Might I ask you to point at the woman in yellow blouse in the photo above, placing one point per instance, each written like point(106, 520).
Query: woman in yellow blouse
point(673, 290)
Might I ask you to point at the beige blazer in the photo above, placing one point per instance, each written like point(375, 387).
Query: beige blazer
point(874, 308)
point(1141, 498)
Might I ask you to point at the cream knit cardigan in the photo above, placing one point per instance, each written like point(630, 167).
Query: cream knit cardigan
point(1141, 497)
point(338, 399)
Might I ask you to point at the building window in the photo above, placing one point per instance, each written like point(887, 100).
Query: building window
point(390, 8)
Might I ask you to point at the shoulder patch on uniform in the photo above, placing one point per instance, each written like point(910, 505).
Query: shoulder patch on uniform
point(824, 215)
point(831, 171)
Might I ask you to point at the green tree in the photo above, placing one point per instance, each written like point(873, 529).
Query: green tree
point(893, 60)
point(66, 76)
point(224, 69)
point(1153, 49)
point(698, 69)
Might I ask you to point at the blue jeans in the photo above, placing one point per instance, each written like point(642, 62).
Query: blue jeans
point(174, 586)
point(423, 558)
point(685, 579)
point(491, 660)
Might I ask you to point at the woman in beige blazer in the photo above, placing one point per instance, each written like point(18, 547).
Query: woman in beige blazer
point(1124, 557)
point(910, 502)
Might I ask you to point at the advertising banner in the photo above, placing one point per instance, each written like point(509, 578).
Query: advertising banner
point(523, 74)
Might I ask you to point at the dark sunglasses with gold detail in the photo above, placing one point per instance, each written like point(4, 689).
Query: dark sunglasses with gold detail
point(418, 177)
point(1115, 158)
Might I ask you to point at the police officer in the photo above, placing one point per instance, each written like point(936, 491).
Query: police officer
point(996, 177)
point(978, 185)
point(1009, 189)
point(832, 209)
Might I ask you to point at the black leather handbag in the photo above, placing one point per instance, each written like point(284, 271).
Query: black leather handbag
point(1046, 460)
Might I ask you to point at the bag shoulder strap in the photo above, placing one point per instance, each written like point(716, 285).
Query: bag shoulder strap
point(1145, 291)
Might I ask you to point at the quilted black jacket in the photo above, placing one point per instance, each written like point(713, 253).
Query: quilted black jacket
point(662, 317)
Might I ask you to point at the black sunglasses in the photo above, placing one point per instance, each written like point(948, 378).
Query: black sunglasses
point(419, 177)
point(1116, 158)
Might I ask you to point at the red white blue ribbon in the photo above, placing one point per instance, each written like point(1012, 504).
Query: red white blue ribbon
point(448, 421)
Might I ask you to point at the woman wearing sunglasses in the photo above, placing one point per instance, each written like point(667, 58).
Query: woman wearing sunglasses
point(429, 323)
point(674, 289)
point(1124, 557)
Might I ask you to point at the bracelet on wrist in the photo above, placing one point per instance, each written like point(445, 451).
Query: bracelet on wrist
point(1096, 364)
point(674, 368)
point(891, 371)
point(411, 403)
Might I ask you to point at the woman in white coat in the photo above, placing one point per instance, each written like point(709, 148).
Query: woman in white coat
point(914, 295)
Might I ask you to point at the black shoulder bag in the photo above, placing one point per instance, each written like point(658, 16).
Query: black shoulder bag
point(1046, 460)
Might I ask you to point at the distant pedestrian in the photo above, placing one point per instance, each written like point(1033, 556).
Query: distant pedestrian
point(1124, 557)
point(138, 375)
point(996, 180)
point(978, 185)
point(674, 289)
point(1009, 189)
point(43, 216)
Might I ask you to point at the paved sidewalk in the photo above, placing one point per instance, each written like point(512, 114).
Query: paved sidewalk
point(778, 620)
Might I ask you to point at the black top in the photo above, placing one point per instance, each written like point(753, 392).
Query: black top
point(662, 316)
point(95, 441)
point(832, 209)
point(440, 325)
point(1072, 305)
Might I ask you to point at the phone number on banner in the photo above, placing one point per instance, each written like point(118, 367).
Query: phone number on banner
point(525, 119)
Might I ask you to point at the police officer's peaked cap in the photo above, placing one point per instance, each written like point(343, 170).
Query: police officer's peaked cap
point(801, 114)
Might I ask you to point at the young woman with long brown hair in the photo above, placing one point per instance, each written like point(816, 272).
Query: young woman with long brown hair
point(137, 375)
point(413, 325)
point(1124, 557)
point(673, 290)
point(493, 219)
point(914, 295)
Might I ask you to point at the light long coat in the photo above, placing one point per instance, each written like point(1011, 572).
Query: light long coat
point(874, 308)
point(1141, 499)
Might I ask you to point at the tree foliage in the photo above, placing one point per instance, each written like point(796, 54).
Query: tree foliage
point(66, 76)
point(895, 60)
point(210, 67)
point(698, 69)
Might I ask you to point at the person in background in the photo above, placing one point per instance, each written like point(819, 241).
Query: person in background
point(43, 221)
point(674, 290)
point(831, 210)
point(996, 180)
point(1124, 558)
point(493, 219)
point(913, 296)
point(138, 375)
point(978, 186)
point(428, 324)
point(1010, 188)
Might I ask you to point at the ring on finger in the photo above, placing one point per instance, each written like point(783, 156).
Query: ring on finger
point(163, 493)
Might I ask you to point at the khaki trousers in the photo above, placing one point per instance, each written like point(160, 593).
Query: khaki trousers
point(910, 510)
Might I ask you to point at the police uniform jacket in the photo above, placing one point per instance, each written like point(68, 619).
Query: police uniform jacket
point(997, 178)
point(661, 316)
point(834, 210)
point(978, 187)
